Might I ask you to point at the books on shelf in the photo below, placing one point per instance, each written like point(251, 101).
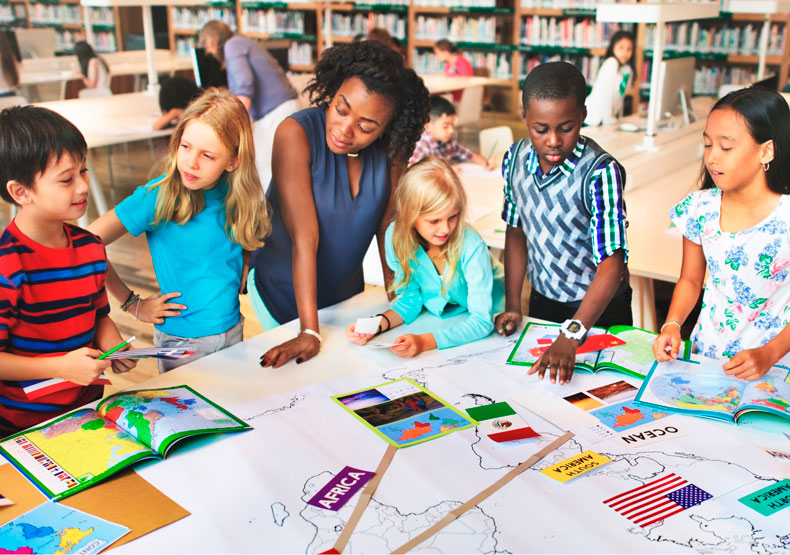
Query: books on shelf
point(588, 65)
point(55, 14)
point(559, 4)
point(577, 32)
point(497, 63)
point(456, 29)
point(300, 54)
point(271, 21)
point(457, 3)
point(352, 24)
point(634, 357)
point(193, 18)
point(85, 446)
point(701, 388)
point(731, 38)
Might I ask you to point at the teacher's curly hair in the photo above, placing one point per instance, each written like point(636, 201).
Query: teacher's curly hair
point(382, 71)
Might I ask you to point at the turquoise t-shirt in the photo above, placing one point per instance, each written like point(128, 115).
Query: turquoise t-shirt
point(196, 259)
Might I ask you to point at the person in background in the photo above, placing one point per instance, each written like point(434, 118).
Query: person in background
point(438, 139)
point(605, 101)
point(256, 78)
point(175, 94)
point(9, 68)
point(335, 168)
point(736, 240)
point(455, 63)
point(95, 71)
point(383, 36)
point(439, 261)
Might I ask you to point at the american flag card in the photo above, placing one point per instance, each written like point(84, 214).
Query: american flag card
point(657, 500)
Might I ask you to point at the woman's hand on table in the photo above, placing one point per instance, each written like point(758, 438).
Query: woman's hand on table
point(302, 347)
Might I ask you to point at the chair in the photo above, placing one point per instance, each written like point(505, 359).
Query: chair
point(469, 108)
point(495, 140)
point(8, 101)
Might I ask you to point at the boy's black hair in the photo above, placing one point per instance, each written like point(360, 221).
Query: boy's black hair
point(30, 139)
point(440, 106)
point(767, 117)
point(382, 71)
point(617, 37)
point(554, 81)
point(177, 92)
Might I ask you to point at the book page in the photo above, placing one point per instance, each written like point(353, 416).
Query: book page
point(770, 393)
point(73, 452)
point(635, 357)
point(158, 417)
point(536, 336)
point(694, 387)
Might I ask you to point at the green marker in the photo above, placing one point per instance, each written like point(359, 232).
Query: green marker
point(120, 345)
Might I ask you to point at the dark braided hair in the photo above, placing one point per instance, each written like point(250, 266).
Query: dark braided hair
point(382, 71)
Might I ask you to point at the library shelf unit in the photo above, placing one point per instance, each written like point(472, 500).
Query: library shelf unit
point(504, 39)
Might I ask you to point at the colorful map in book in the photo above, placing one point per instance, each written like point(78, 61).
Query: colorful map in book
point(156, 414)
point(55, 528)
point(707, 392)
point(625, 415)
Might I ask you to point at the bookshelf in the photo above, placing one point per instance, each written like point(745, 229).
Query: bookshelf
point(506, 38)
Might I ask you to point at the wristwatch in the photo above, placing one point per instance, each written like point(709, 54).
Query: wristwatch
point(574, 329)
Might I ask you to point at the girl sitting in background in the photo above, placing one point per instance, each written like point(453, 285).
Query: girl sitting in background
point(439, 263)
point(95, 71)
point(455, 63)
point(9, 69)
point(737, 227)
point(605, 101)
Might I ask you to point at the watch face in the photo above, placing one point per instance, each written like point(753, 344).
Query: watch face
point(574, 327)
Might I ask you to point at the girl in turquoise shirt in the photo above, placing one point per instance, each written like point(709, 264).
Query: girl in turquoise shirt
point(439, 262)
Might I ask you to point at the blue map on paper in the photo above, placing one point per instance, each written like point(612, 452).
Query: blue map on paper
point(424, 426)
point(55, 528)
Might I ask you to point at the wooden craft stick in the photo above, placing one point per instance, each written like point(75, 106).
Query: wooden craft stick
point(364, 500)
point(477, 499)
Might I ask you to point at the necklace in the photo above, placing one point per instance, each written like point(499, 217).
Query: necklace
point(353, 154)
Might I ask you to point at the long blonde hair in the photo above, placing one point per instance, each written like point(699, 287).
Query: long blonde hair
point(246, 213)
point(429, 186)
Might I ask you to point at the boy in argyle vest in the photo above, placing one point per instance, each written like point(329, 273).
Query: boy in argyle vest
point(566, 221)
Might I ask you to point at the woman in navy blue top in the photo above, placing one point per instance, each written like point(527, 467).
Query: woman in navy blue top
point(333, 170)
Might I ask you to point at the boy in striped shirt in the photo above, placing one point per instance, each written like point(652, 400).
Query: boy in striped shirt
point(54, 315)
point(565, 214)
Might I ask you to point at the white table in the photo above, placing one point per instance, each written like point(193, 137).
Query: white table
point(229, 485)
point(107, 121)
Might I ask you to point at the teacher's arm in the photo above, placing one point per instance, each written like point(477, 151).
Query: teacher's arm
point(396, 170)
point(293, 186)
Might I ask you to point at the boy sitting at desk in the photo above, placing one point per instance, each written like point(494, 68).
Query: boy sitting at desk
point(54, 313)
point(439, 140)
point(565, 213)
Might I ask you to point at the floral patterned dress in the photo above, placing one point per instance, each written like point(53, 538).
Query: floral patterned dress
point(747, 288)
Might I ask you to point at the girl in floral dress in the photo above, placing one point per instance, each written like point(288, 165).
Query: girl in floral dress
point(738, 227)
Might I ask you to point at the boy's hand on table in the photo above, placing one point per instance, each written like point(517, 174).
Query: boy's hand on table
point(507, 322)
point(750, 364)
point(82, 366)
point(559, 359)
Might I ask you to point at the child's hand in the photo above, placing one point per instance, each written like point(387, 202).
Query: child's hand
point(358, 338)
point(750, 364)
point(490, 164)
point(507, 322)
point(156, 308)
point(408, 345)
point(121, 365)
point(667, 345)
point(559, 359)
point(82, 366)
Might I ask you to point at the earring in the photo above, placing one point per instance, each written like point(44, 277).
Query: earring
point(766, 166)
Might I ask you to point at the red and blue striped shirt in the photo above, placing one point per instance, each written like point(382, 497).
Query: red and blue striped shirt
point(50, 300)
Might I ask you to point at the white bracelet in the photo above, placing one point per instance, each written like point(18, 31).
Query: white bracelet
point(670, 322)
point(313, 333)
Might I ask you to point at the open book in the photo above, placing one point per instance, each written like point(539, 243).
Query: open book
point(701, 388)
point(634, 357)
point(85, 446)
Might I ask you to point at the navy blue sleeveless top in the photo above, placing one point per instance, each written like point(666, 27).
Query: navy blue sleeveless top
point(346, 226)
